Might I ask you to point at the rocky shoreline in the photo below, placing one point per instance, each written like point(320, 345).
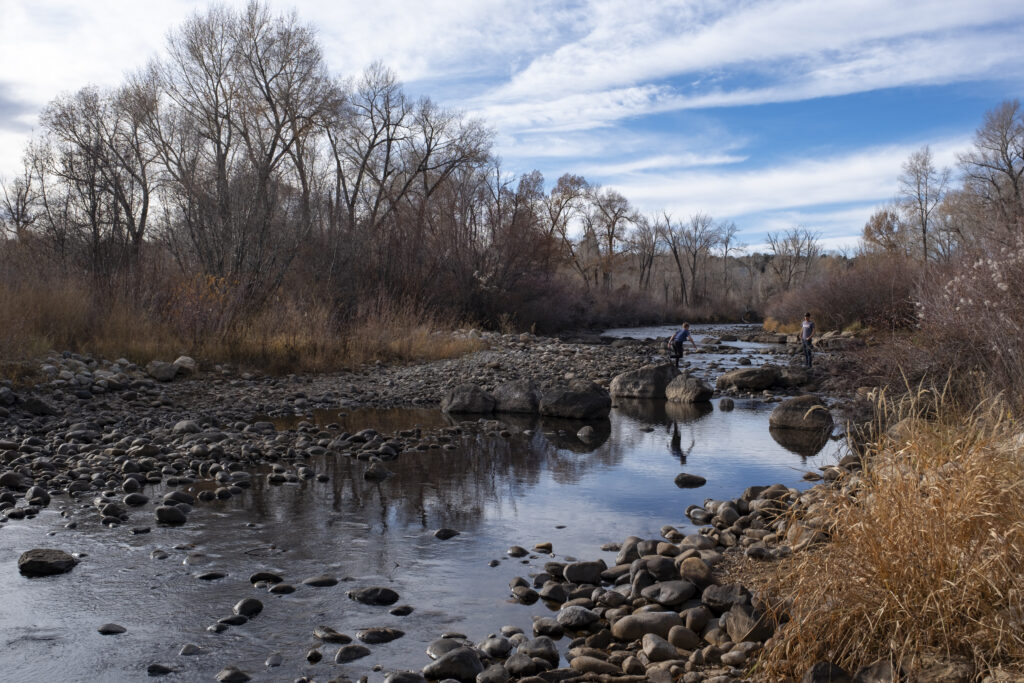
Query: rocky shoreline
point(105, 431)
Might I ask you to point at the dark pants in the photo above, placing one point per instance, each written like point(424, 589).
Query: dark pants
point(807, 351)
point(677, 351)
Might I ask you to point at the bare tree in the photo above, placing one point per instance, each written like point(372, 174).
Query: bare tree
point(793, 254)
point(994, 169)
point(727, 243)
point(643, 244)
point(609, 216)
point(18, 209)
point(699, 238)
point(922, 186)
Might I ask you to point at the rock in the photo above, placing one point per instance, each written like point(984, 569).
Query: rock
point(275, 659)
point(379, 634)
point(444, 534)
point(322, 581)
point(576, 617)
point(404, 677)
point(881, 671)
point(233, 674)
point(593, 665)
point(696, 571)
point(189, 649)
point(584, 572)
point(45, 562)
point(467, 398)
point(171, 514)
point(825, 672)
point(669, 593)
point(462, 664)
point(683, 638)
point(720, 599)
point(185, 365)
point(350, 653)
point(517, 396)
point(635, 626)
point(541, 647)
point(157, 669)
point(161, 371)
point(581, 400)
point(748, 379)
point(803, 412)
point(267, 577)
point(329, 635)
point(186, 427)
point(546, 626)
point(374, 595)
point(495, 673)
point(685, 389)
point(726, 404)
point(648, 381)
point(743, 624)
point(689, 481)
point(14, 481)
point(248, 607)
point(658, 649)
point(111, 629)
point(37, 406)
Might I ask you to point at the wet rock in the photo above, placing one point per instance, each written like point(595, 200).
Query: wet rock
point(211, 576)
point(726, 404)
point(442, 646)
point(546, 626)
point(803, 412)
point(135, 499)
point(268, 577)
point(374, 595)
point(401, 610)
point(444, 534)
point(189, 649)
point(248, 607)
point(156, 669)
point(495, 673)
point(404, 677)
point(350, 653)
point(329, 635)
point(748, 379)
point(45, 562)
point(379, 634)
point(541, 647)
point(322, 581)
point(687, 389)
point(275, 659)
point(689, 481)
point(467, 398)
point(111, 629)
point(518, 551)
point(648, 381)
point(462, 664)
point(170, 514)
point(233, 674)
point(581, 400)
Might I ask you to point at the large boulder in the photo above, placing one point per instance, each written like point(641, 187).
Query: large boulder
point(161, 371)
point(45, 562)
point(649, 381)
point(685, 389)
point(186, 365)
point(467, 398)
point(517, 396)
point(581, 400)
point(749, 379)
point(803, 412)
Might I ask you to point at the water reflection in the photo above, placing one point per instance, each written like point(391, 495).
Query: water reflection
point(804, 442)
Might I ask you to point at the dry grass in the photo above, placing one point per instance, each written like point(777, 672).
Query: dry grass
point(927, 559)
point(778, 327)
point(289, 336)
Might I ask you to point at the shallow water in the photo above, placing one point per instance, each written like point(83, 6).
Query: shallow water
point(539, 484)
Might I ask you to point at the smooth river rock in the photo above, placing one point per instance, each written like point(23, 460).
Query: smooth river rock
point(45, 562)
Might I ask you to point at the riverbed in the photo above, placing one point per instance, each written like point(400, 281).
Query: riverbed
point(517, 481)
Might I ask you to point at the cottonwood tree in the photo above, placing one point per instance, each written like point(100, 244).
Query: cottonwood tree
point(793, 255)
point(18, 210)
point(607, 219)
point(993, 171)
point(922, 186)
point(642, 244)
point(886, 231)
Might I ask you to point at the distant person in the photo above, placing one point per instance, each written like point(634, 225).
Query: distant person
point(806, 337)
point(676, 342)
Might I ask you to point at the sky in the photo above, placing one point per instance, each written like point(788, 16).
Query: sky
point(771, 114)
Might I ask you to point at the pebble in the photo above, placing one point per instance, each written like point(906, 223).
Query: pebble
point(111, 629)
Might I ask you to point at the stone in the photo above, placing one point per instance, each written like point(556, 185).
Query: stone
point(541, 647)
point(248, 607)
point(170, 514)
point(689, 481)
point(161, 371)
point(444, 534)
point(322, 581)
point(803, 412)
point(546, 626)
point(670, 593)
point(743, 624)
point(45, 562)
point(379, 634)
point(593, 665)
point(648, 381)
point(404, 677)
point(111, 629)
point(467, 398)
point(726, 404)
point(695, 570)
point(517, 396)
point(374, 595)
point(635, 626)
point(350, 653)
point(584, 572)
point(658, 649)
point(329, 635)
point(495, 673)
point(185, 365)
point(683, 638)
point(720, 599)
point(581, 400)
point(825, 672)
point(686, 389)
point(186, 427)
point(748, 379)
point(232, 674)
point(576, 617)
point(462, 664)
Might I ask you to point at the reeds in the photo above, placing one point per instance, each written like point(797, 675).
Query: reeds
point(927, 556)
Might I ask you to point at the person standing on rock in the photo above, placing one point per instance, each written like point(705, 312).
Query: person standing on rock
point(806, 337)
point(676, 342)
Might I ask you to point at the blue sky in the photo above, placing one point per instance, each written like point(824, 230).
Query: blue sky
point(771, 114)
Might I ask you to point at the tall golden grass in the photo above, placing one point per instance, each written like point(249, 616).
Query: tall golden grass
point(927, 556)
point(287, 336)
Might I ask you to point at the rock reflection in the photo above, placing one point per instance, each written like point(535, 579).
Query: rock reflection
point(805, 443)
point(688, 412)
